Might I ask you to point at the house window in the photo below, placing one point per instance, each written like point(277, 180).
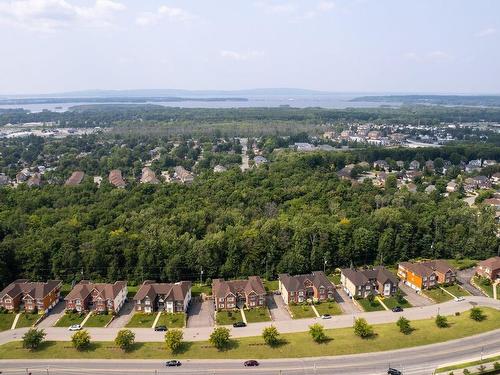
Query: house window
point(301, 293)
point(230, 299)
point(221, 306)
point(432, 278)
point(147, 302)
point(368, 287)
point(8, 300)
point(221, 299)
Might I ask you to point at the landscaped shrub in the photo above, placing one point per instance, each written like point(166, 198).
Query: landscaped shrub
point(477, 314)
point(442, 321)
point(317, 332)
point(362, 328)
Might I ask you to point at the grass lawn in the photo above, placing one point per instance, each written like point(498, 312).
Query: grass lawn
point(296, 345)
point(331, 308)
point(334, 278)
point(65, 289)
point(439, 295)
point(140, 320)
point(27, 320)
point(198, 288)
point(6, 321)
point(225, 318)
point(98, 320)
point(70, 319)
point(259, 314)
point(172, 320)
point(462, 264)
point(488, 289)
point(392, 302)
point(468, 364)
point(301, 311)
point(270, 285)
point(367, 306)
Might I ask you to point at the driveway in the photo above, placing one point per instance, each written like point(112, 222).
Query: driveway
point(464, 277)
point(53, 316)
point(345, 302)
point(277, 308)
point(200, 313)
point(124, 316)
point(413, 297)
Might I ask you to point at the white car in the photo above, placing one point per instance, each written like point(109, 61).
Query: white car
point(75, 327)
point(459, 299)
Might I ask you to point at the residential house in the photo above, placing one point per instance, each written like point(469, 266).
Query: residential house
point(148, 176)
point(219, 168)
point(473, 165)
point(429, 189)
point(496, 177)
point(167, 297)
point(482, 182)
point(411, 175)
point(361, 283)
point(234, 294)
point(493, 202)
point(451, 187)
point(22, 176)
point(425, 275)
point(75, 178)
point(4, 180)
point(115, 178)
point(31, 296)
point(181, 174)
point(300, 288)
point(258, 160)
point(414, 165)
point(429, 165)
point(34, 180)
point(489, 268)
point(400, 163)
point(373, 134)
point(97, 296)
point(300, 146)
point(381, 164)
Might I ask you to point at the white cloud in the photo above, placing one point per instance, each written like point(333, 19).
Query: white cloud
point(51, 15)
point(164, 12)
point(433, 56)
point(325, 6)
point(305, 12)
point(240, 56)
point(486, 32)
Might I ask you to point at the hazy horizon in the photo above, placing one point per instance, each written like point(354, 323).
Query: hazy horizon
point(336, 46)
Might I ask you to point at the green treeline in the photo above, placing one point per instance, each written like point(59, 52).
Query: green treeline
point(288, 216)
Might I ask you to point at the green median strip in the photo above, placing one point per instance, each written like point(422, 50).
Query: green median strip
point(294, 345)
point(468, 364)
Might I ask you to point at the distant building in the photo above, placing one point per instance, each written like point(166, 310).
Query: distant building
point(300, 146)
point(425, 275)
point(219, 168)
point(31, 296)
point(451, 187)
point(489, 268)
point(183, 175)
point(414, 165)
point(115, 178)
point(429, 189)
point(34, 180)
point(381, 164)
point(4, 180)
point(97, 180)
point(148, 176)
point(75, 178)
point(258, 160)
point(97, 296)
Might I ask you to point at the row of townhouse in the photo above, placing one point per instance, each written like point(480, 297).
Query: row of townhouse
point(31, 296)
point(489, 268)
point(426, 275)
point(362, 283)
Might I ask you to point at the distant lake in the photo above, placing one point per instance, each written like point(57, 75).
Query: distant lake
point(337, 101)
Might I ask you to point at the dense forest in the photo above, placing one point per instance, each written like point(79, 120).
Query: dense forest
point(288, 216)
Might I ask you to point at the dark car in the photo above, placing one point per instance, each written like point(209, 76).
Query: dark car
point(393, 371)
point(172, 363)
point(239, 324)
point(251, 362)
point(397, 309)
point(161, 328)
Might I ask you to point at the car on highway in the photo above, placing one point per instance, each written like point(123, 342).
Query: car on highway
point(326, 316)
point(75, 327)
point(397, 309)
point(459, 299)
point(239, 324)
point(251, 363)
point(173, 363)
point(160, 328)
point(393, 371)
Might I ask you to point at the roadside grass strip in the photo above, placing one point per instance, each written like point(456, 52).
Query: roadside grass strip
point(301, 311)
point(259, 314)
point(341, 341)
point(331, 308)
point(460, 366)
point(27, 320)
point(224, 318)
point(171, 320)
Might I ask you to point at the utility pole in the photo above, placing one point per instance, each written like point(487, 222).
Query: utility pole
point(324, 264)
point(201, 275)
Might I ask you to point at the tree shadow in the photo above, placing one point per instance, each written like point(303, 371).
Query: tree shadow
point(279, 343)
point(183, 348)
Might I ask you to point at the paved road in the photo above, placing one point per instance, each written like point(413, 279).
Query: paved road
point(464, 277)
point(417, 361)
point(285, 326)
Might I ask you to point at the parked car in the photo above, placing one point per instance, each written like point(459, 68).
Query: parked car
point(459, 299)
point(393, 371)
point(397, 309)
point(160, 328)
point(239, 324)
point(326, 316)
point(172, 363)
point(251, 362)
point(75, 327)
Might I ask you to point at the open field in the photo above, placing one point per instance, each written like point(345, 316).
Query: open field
point(301, 311)
point(140, 320)
point(342, 341)
point(260, 314)
point(228, 317)
point(6, 321)
point(172, 320)
point(331, 308)
point(70, 319)
point(439, 295)
point(27, 320)
point(97, 320)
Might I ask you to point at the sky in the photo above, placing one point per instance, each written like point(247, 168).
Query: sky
point(398, 46)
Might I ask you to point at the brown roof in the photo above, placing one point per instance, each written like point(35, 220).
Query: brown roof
point(293, 283)
point(34, 289)
point(491, 263)
point(34, 180)
point(84, 288)
point(75, 178)
point(175, 292)
point(221, 287)
point(115, 178)
point(148, 176)
point(428, 267)
point(362, 277)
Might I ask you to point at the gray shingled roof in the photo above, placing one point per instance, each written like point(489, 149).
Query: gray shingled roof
point(176, 292)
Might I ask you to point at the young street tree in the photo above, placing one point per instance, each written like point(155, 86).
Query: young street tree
point(33, 338)
point(271, 336)
point(404, 325)
point(441, 321)
point(317, 332)
point(477, 314)
point(81, 340)
point(125, 339)
point(362, 328)
point(220, 337)
point(173, 339)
